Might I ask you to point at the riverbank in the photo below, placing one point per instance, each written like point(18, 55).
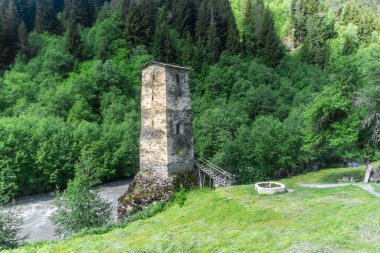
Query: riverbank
point(238, 219)
point(36, 209)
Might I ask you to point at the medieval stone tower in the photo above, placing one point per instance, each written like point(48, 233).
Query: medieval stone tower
point(166, 140)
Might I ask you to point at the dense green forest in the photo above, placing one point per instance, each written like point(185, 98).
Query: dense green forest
point(279, 87)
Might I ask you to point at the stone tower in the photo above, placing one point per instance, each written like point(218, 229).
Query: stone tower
point(166, 141)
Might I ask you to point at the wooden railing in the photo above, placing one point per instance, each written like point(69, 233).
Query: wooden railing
point(220, 177)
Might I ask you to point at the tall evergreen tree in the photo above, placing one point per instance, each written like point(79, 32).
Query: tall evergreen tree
point(46, 18)
point(300, 11)
point(233, 39)
point(163, 45)
point(140, 23)
point(252, 24)
point(82, 12)
point(269, 47)
point(22, 35)
point(9, 26)
point(184, 16)
point(315, 49)
point(27, 10)
point(215, 28)
point(203, 23)
point(260, 38)
point(73, 40)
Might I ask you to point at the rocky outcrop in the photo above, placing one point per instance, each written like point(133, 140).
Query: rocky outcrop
point(148, 189)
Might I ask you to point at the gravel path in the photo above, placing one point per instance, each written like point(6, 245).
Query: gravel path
point(367, 187)
point(321, 186)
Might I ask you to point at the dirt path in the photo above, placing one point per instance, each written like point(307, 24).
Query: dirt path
point(367, 187)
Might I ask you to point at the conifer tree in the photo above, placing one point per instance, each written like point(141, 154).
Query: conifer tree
point(22, 35)
point(216, 29)
point(252, 25)
point(268, 44)
point(184, 13)
point(78, 11)
point(67, 11)
point(46, 18)
point(10, 23)
point(203, 23)
point(364, 15)
point(300, 11)
point(233, 39)
point(140, 23)
point(163, 45)
point(73, 40)
point(315, 49)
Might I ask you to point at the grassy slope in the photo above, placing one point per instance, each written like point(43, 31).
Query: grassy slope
point(237, 219)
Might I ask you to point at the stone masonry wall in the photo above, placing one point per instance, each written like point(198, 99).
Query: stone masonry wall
point(153, 136)
point(180, 139)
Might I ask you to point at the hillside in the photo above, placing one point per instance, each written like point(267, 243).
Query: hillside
point(237, 219)
point(278, 88)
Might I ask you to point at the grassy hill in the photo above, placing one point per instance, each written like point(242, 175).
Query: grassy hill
point(237, 219)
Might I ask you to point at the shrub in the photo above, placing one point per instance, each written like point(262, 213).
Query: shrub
point(180, 196)
point(10, 226)
point(79, 207)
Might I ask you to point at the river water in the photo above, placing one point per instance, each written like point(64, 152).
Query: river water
point(36, 209)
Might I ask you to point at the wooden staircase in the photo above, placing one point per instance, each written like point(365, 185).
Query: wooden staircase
point(217, 176)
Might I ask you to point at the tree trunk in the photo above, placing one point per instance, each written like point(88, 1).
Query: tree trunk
point(368, 170)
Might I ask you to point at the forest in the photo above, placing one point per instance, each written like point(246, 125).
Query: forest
point(279, 87)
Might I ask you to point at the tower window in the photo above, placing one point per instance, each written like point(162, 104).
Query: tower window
point(178, 92)
point(180, 129)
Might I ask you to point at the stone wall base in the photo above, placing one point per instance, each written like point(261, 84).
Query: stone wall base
point(148, 189)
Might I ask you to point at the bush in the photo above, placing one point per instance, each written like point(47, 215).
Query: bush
point(180, 196)
point(79, 207)
point(146, 213)
point(10, 226)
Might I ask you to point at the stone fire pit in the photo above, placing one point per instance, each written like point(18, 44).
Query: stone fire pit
point(269, 187)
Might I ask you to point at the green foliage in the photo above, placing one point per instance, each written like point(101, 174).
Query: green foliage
point(10, 226)
point(180, 196)
point(70, 103)
point(79, 207)
point(331, 128)
point(146, 213)
point(369, 99)
point(36, 154)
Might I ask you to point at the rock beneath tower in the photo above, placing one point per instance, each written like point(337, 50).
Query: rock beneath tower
point(166, 138)
point(150, 189)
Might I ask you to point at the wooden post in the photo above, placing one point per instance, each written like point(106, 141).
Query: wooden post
point(200, 177)
point(204, 179)
point(368, 170)
point(209, 182)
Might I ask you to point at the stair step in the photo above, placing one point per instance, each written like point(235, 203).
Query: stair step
point(219, 176)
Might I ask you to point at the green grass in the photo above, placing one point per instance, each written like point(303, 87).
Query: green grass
point(237, 219)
